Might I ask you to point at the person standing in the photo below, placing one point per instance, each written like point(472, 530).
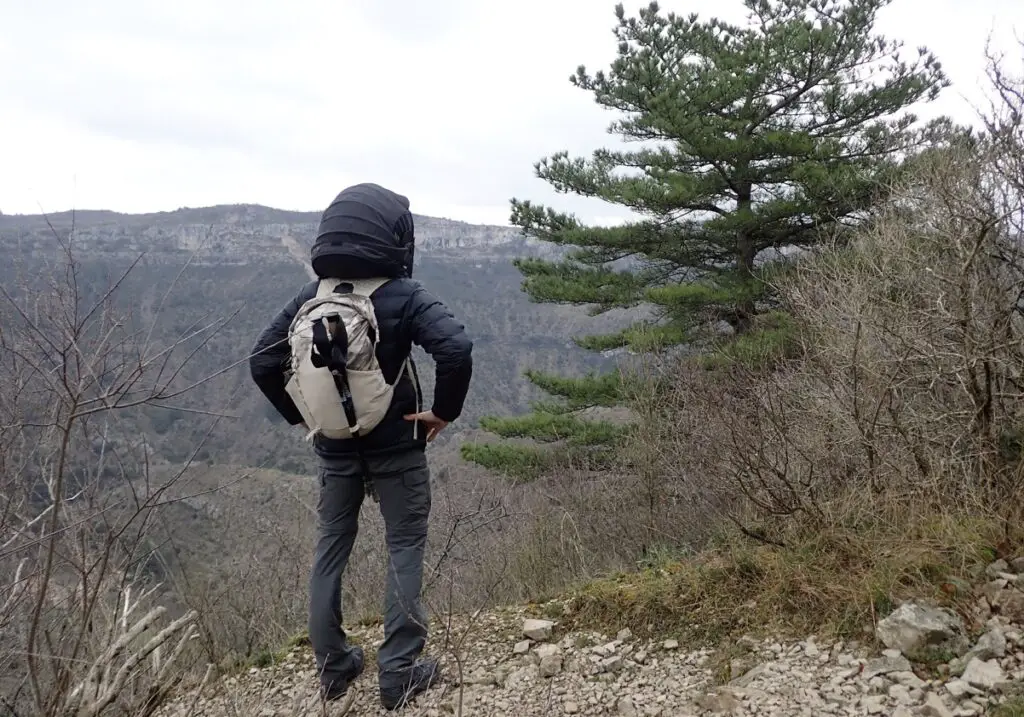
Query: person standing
point(365, 245)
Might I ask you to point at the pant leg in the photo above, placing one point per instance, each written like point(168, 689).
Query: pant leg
point(341, 495)
point(405, 506)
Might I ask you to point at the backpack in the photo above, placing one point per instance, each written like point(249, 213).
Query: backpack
point(335, 380)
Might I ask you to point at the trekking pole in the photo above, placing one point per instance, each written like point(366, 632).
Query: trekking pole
point(350, 414)
point(335, 348)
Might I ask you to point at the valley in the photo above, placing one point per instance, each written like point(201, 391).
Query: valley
point(204, 282)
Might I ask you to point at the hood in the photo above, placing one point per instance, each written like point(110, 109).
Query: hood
point(367, 229)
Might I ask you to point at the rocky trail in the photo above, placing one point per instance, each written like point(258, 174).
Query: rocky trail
point(925, 662)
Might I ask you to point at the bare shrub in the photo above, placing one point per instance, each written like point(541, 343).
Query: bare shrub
point(85, 627)
point(908, 384)
point(246, 579)
point(914, 351)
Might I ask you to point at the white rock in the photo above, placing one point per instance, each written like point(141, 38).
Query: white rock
point(550, 665)
point(538, 630)
point(912, 626)
point(960, 689)
point(671, 644)
point(991, 644)
point(901, 693)
point(886, 664)
point(874, 705)
point(612, 664)
point(984, 674)
point(480, 677)
point(908, 679)
point(878, 683)
point(639, 679)
point(546, 650)
point(850, 672)
point(935, 707)
point(996, 567)
point(626, 708)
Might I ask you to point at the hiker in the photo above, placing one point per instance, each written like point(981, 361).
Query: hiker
point(367, 422)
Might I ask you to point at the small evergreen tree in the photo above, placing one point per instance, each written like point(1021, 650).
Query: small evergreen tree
point(753, 138)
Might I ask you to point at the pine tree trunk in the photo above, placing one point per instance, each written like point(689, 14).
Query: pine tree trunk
point(743, 310)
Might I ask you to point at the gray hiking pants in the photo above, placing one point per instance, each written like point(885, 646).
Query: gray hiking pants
point(403, 483)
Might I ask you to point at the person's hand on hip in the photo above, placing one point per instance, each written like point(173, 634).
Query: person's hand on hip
point(434, 424)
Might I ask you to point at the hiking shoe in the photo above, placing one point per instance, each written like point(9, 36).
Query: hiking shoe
point(338, 688)
point(422, 677)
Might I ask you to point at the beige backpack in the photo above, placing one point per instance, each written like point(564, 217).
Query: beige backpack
point(336, 381)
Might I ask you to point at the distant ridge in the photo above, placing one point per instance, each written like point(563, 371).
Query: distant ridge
point(216, 214)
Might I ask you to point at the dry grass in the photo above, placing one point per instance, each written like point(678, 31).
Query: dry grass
point(831, 583)
point(1012, 708)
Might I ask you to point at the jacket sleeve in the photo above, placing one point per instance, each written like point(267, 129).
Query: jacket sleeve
point(266, 362)
point(434, 328)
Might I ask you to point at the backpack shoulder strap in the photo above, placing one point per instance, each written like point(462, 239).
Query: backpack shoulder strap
point(362, 287)
point(365, 287)
point(325, 287)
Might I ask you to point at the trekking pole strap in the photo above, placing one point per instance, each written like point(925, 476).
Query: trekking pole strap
point(333, 353)
point(367, 478)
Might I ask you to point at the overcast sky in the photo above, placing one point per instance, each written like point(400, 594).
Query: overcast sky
point(143, 105)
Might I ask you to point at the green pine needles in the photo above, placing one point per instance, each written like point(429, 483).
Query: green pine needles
point(777, 134)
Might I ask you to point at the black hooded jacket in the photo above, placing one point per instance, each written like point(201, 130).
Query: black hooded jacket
point(362, 228)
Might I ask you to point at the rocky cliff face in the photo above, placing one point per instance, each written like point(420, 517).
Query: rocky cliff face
point(244, 234)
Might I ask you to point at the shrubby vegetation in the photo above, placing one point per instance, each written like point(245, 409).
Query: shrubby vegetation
point(854, 435)
point(879, 456)
point(858, 442)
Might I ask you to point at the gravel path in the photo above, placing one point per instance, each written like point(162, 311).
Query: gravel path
point(514, 666)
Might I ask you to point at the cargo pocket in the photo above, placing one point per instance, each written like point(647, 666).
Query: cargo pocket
point(416, 484)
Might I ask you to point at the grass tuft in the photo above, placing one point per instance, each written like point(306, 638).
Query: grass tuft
point(1012, 708)
point(834, 583)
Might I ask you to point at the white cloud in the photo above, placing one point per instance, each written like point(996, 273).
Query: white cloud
point(138, 105)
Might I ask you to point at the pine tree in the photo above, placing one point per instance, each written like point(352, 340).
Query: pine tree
point(751, 138)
